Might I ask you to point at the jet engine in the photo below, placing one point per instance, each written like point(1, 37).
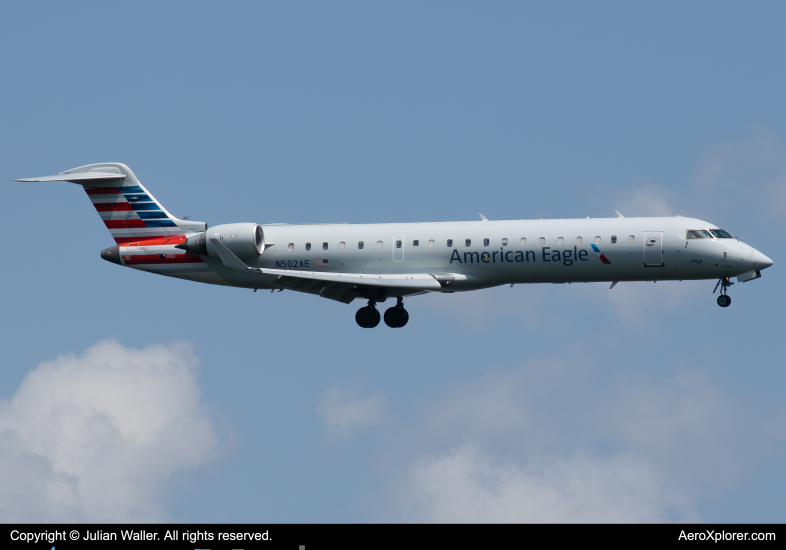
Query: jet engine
point(245, 240)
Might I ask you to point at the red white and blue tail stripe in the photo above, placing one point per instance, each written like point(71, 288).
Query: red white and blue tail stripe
point(132, 214)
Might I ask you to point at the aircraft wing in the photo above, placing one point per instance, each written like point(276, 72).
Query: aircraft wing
point(335, 286)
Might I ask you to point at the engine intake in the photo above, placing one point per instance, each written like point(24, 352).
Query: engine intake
point(245, 240)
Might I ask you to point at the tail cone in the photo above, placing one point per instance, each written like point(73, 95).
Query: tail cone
point(112, 254)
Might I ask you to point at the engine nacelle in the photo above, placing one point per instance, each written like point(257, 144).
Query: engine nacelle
point(245, 240)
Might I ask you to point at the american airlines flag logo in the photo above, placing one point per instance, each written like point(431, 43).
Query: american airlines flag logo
point(321, 263)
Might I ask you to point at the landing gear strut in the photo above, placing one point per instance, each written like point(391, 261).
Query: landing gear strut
point(724, 300)
point(368, 317)
point(397, 316)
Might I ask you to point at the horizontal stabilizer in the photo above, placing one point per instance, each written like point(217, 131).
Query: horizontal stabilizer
point(78, 178)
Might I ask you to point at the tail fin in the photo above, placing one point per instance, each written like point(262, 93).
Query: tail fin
point(129, 212)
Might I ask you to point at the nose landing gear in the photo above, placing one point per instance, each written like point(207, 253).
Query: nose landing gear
point(724, 300)
point(368, 317)
point(397, 316)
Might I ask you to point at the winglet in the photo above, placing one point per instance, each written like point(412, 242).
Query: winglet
point(482, 217)
point(227, 258)
point(618, 214)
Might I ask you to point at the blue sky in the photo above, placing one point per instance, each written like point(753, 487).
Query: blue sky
point(128, 396)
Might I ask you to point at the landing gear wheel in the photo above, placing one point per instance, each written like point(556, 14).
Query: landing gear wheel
point(724, 300)
point(367, 317)
point(396, 317)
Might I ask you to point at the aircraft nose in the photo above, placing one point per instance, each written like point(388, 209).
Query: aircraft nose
point(761, 260)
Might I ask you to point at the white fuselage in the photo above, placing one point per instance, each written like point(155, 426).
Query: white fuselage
point(491, 253)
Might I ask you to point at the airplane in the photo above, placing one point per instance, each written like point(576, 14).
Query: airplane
point(375, 262)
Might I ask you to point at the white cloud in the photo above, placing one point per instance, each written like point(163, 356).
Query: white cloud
point(344, 411)
point(553, 441)
point(465, 486)
point(97, 437)
point(637, 303)
point(748, 176)
point(646, 200)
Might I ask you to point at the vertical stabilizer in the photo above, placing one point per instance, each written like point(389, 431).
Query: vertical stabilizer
point(127, 209)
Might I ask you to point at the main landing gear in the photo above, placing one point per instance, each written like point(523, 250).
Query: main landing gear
point(395, 317)
point(724, 300)
point(368, 317)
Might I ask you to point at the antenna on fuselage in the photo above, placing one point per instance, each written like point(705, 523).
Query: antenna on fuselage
point(618, 214)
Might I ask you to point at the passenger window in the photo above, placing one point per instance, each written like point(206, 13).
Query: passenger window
point(597, 240)
point(485, 242)
point(542, 240)
point(379, 244)
point(416, 243)
point(523, 241)
point(578, 240)
point(560, 240)
point(450, 243)
point(398, 244)
point(324, 246)
point(630, 238)
point(431, 243)
point(291, 247)
point(342, 245)
point(504, 242)
point(613, 239)
point(360, 245)
point(468, 242)
point(308, 246)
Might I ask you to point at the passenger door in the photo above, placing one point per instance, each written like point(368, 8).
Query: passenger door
point(653, 248)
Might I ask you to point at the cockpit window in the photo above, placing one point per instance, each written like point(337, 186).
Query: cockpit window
point(720, 234)
point(699, 234)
